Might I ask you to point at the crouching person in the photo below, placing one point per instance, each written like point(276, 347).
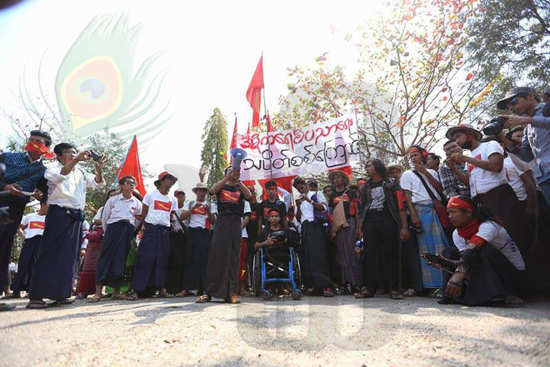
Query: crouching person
point(491, 269)
point(119, 223)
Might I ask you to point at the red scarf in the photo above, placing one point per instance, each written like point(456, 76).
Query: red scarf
point(39, 149)
point(469, 231)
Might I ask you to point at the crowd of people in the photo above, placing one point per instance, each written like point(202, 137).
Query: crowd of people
point(468, 230)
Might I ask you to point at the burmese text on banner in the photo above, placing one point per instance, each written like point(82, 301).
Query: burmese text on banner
point(304, 151)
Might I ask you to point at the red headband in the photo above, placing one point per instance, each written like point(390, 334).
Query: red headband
point(456, 202)
point(424, 152)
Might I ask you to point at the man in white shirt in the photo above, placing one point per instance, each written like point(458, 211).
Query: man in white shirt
point(314, 239)
point(487, 177)
point(33, 226)
point(201, 216)
point(57, 255)
point(154, 248)
point(119, 224)
point(178, 229)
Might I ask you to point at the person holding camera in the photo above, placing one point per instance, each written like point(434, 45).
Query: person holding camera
point(67, 183)
point(535, 116)
point(487, 176)
point(23, 177)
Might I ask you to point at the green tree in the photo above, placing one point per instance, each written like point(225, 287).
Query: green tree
point(411, 83)
point(510, 39)
point(214, 146)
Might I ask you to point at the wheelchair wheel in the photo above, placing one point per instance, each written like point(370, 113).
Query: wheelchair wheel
point(256, 274)
point(297, 270)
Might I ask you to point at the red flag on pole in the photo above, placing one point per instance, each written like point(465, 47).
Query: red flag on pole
point(131, 167)
point(254, 92)
point(233, 139)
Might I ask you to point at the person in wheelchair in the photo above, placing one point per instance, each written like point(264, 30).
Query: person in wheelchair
point(276, 243)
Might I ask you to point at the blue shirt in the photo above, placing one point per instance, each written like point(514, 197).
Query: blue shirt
point(20, 170)
point(536, 145)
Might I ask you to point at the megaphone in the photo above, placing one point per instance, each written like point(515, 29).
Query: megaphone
point(238, 155)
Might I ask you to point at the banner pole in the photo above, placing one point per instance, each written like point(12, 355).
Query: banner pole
point(267, 119)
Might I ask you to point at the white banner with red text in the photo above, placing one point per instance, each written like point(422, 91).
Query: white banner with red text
point(304, 151)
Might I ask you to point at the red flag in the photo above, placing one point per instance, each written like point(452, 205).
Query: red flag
point(254, 92)
point(130, 167)
point(233, 139)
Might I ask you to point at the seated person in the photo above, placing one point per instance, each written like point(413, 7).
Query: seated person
point(274, 239)
point(490, 270)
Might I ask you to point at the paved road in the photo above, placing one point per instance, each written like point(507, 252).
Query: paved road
point(312, 332)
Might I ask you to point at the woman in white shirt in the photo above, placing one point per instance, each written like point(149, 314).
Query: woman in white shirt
point(314, 239)
point(491, 269)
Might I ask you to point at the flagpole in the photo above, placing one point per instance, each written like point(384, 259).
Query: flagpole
point(266, 120)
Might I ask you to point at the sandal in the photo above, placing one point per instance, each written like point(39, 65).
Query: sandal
point(363, 293)
point(120, 297)
point(234, 299)
point(327, 292)
point(409, 293)
point(93, 299)
point(204, 298)
point(396, 295)
point(61, 302)
point(132, 297)
point(36, 305)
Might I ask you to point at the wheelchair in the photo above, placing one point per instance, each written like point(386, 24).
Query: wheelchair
point(278, 264)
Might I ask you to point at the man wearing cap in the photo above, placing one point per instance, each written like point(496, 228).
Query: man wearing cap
point(524, 103)
point(154, 247)
point(67, 183)
point(200, 216)
point(487, 177)
point(24, 174)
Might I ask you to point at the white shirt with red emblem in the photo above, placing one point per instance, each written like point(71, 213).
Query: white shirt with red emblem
point(481, 180)
point(35, 225)
point(199, 214)
point(119, 208)
point(160, 207)
point(513, 175)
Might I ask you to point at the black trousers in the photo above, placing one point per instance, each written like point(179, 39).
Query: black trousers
point(16, 207)
point(381, 234)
